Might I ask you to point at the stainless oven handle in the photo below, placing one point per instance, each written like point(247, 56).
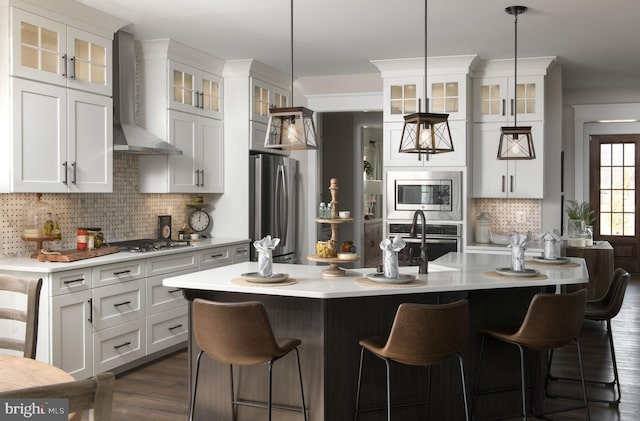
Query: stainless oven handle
point(432, 240)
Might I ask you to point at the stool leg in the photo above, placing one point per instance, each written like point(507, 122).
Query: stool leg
point(359, 380)
point(195, 386)
point(475, 395)
point(386, 361)
point(234, 411)
point(616, 380)
point(304, 409)
point(270, 364)
point(522, 385)
point(464, 388)
point(584, 388)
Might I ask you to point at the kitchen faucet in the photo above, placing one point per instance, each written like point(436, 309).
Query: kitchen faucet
point(424, 258)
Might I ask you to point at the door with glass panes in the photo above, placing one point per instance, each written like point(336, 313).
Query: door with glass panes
point(613, 194)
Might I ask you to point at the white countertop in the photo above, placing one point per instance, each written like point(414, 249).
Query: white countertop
point(27, 264)
point(452, 272)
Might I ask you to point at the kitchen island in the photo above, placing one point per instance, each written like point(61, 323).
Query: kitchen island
point(330, 315)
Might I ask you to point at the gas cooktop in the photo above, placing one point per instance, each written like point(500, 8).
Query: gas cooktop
point(144, 245)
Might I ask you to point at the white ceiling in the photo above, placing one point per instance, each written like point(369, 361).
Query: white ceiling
point(597, 42)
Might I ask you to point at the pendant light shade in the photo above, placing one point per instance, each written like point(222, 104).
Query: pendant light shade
point(293, 127)
point(424, 132)
point(516, 142)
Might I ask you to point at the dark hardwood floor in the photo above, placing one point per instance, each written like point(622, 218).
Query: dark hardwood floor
point(159, 391)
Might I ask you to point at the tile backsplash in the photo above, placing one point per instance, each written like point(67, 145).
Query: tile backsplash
point(505, 212)
point(123, 214)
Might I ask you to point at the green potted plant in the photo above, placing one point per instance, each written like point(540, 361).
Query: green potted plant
point(580, 215)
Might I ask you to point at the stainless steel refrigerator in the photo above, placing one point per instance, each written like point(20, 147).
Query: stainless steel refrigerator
point(272, 201)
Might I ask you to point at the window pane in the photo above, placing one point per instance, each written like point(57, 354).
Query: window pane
point(437, 104)
point(177, 94)
point(605, 178)
point(605, 201)
point(629, 178)
point(396, 107)
point(396, 91)
point(49, 62)
point(82, 70)
point(452, 89)
point(617, 201)
point(29, 34)
point(177, 79)
point(531, 90)
point(98, 54)
point(520, 90)
point(82, 49)
point(617, 177)
point(451, 105)
point(605, 224)
point(629, 154)
point(617, 154)
point(29, 57)
point(410, 91)
point(256, 93)
point(531, 106)
point(629, 225)
point(605, 155)
point(617, 227)
point(629, 201)
point(410, 106)
point(188, 82)
point(495, 91)
point(49, 40)
point(437, 89)
point(495, 107)
point(98, 74)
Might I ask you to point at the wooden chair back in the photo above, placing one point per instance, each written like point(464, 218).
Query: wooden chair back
point(29, 315)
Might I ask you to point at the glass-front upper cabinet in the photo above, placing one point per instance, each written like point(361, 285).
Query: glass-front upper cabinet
point(194, 91)
point(495, 100)
point(401, 97)
point(264, 96)
point(448, 95)
point(51, 52)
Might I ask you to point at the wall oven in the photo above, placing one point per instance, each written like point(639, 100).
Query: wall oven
point(437, 193)
point(440, 239)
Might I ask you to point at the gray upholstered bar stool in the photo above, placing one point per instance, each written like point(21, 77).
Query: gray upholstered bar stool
point(421, 335)
point(240, 334)
point(552, 321)
point(604, 309)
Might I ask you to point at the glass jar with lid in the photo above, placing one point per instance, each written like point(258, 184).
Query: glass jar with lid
point(39, 220)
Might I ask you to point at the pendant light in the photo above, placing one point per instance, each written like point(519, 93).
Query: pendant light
point(426, 133)
point(292, 127)
point(516, 142)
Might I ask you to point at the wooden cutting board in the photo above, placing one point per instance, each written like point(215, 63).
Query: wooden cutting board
point(73, 255)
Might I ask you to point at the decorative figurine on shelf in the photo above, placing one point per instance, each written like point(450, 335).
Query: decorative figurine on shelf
point(517, 242)
point(265, 254)
point(390, 249)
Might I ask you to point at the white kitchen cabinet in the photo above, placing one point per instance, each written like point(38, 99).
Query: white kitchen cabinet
point(50, 51)
point(401, 96)
point(119, 345)
point(495, 178)
point(494, 99)
point(71, 333)
point(167, 329)
point(200, 168)
point(118, 303)
point(194, 91)
point(62, 139)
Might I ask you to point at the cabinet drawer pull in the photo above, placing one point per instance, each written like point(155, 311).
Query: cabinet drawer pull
point(202, 174)
point(175, 327)
point(215, 256)
point(503, 184)
point(75, 172)
point(122, 272)
point(122, 303)
point(66, 173)
point(175, 290)
point(504, 107)
point(243, 251)
point(73, 281)
point(90, 301)
point(197, 178)
point(201, 99)
point(73, 68)
point(511, 184)
point(513, 108)
point(121, 345)
point(196, 99)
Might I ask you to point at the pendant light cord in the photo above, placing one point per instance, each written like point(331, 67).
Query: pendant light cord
point(291, 86)
point(426, 101)
point(515, 73)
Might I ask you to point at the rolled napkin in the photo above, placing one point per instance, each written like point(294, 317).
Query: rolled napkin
point(390, 249)
point(265, 254)
point(517, 242)
point(551, 239)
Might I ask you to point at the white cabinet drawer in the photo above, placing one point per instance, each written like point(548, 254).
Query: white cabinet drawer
point(167, 329)
point(214, 256)
point(119, 345)
point(171, 263)
point(240, 253)
point(161, 298)
point(119, 303)
point(70, 281)
point(118, 272)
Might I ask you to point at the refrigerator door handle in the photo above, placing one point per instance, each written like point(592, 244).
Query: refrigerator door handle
point(281, 192)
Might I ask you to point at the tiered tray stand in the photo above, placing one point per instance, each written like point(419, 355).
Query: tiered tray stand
point(333, 271)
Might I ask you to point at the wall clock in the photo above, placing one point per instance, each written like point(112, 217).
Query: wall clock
point(199, 220)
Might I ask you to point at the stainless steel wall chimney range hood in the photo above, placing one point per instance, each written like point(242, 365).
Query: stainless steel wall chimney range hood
point(127, 136)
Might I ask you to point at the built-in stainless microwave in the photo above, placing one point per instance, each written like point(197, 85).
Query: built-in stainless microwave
point(437, 193)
